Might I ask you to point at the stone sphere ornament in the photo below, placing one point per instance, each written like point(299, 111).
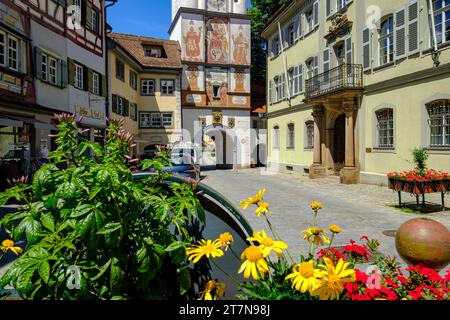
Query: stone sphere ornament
point(424, 241)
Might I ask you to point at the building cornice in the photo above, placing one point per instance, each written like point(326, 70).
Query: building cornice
point(204, 12)
point(288, 110)
point(421, 75)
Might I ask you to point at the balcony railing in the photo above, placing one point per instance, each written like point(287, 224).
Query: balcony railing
point(343, 77)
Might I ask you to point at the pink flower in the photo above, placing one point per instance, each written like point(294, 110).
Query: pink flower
point(374, 281)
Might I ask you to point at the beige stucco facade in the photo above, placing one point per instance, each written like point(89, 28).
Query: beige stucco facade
point(156, 102)
point(397, 77)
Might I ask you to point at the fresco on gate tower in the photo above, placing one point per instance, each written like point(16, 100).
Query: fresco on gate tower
point(193, 35)
point(240, 42)
point(217, 40)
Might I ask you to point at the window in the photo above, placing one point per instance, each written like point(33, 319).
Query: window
point(133, 111)
point(291, 136)
point(276, 137)
point(155, 119)
point(385, 125)
point(147, 87)
point(44, 67)
point(439, 112)
point(386, 43)
point(52, 67)
point(79, 76)
point(152, 53)
point(216, 91)
point(167, 119)
point(309, 143)
point(12, 53)
point(95, 20)
point(133, 80)
point(77, 13)
point(95, 83)
point(309, 17)
point(312, 67)
point(2, 48)
point(296, 80)
point(276, 46)
point(291, 34)
point(120, 70)
point(441, 9)
point(167, 87)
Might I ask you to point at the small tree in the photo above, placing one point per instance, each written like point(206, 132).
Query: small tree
point(92, 231)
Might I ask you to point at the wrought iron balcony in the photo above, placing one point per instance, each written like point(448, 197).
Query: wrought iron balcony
point(337, 80)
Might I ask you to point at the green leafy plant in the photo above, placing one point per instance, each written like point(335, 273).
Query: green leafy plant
point(94, 232)
point(420, 157)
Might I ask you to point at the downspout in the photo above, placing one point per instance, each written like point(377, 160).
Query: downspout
point(283, 55)
point(107, 102)
point(436, 53)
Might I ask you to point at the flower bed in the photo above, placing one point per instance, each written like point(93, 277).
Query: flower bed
point(418, 182)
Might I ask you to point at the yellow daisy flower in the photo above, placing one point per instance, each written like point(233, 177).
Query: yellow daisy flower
point(263, 207)
point(267, 244)
point(331, 279)
point(226, 239)
point(254, 262)
point(214, 290)
point(253, 200)
point(316, 236)
point(335, 229)
point(304, 277)
point(316, 206)
point(204, 248)
point(10, 245)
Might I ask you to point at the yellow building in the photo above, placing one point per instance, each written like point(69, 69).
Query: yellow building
point(355, 86)
point(144, 77)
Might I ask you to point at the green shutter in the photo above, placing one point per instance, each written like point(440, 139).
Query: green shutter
point(90, 82)
point(127, 108)
point(38, 62)
point(63, 71)
point(71, 73)
point(114, 103)
point(88, 16)
point(103, 87)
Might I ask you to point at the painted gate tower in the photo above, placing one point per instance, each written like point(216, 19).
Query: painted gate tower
point(215, 50)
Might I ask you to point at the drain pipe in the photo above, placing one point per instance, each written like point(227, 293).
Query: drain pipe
point(106, 31)
point(436, 53)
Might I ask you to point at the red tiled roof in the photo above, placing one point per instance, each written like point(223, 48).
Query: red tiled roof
point(134, 45)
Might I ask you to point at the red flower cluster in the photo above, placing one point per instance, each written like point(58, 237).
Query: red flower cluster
point(356, 252)
point(422, 284)
point(332, 253)
point(418, 176)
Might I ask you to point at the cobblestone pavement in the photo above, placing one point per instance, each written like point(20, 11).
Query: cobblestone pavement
point(357, 209)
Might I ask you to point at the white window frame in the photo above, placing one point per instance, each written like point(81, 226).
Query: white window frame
point(77, 12)
point(13, 53)
point(167, 119)
point(79, 76)
point(441, 12)
point(391, 43)
point(276, 137)
point(441, 120)
point(3, 46)
point(309, 135)
point(165, 87)
point(290, 139)
point(385, 128)
point(144, 120)
point(145, 87)
point(95, 83)
point(95, 21)
point(52, 70)
point(133, 111)
point(44, 67)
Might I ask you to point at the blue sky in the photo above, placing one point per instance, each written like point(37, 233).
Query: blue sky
point(142, 17)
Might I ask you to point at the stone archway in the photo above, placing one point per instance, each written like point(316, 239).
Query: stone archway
point(220, 145)
point(339, 144)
